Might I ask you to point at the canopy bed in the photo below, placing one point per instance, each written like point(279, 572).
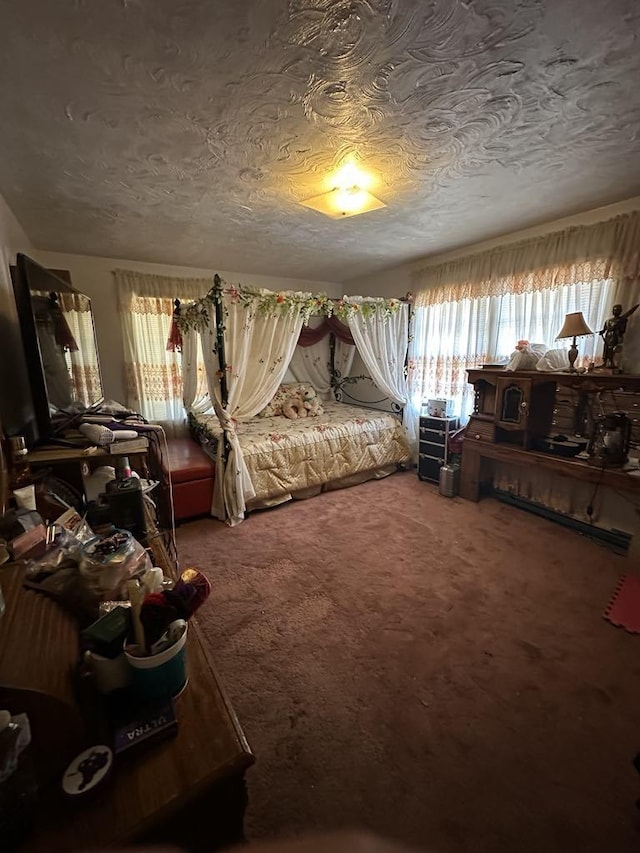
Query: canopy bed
point(246, 341)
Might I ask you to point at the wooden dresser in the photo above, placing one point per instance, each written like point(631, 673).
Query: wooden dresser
point(514, 410)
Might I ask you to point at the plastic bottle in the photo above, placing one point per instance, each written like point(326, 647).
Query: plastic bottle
point(19, 468)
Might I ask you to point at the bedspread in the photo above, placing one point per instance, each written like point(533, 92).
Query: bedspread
point(285, 456)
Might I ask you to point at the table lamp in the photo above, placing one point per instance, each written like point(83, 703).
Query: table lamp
point(574, 326)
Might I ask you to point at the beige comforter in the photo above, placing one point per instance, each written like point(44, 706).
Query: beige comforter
point(285, 456)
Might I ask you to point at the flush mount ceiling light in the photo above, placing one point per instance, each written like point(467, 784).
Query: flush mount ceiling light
point(348, 195)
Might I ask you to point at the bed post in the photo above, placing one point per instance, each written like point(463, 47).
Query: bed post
point(222, 362)
point(333, 378)
point(408, 298)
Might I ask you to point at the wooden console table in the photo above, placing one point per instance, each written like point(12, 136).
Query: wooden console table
point(188, 790)
point(478, 471)
point(503, 429)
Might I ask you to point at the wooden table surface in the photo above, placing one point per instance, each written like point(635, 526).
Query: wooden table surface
point(475, 450)
point(148, 787)
point(152, 784)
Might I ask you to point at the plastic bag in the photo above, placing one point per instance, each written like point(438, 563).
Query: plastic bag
point(65, 538)
point(14, 737)
point(554, 359)
point(526, 356)
point(107, 563)
point(64, 553)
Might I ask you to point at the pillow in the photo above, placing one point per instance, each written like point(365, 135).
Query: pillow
point(290, 389)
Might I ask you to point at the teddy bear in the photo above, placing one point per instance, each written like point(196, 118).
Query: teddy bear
point(294, 407)
point(312, 403)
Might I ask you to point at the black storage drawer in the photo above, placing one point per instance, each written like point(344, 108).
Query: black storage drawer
point(435, 436)
point(434, 446)
point(438, 451)
point(439, 424)
point(429, 468)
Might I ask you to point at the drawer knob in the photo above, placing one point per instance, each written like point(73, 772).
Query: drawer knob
point(478, 436)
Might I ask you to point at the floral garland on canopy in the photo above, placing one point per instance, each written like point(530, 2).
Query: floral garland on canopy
point(197, 315)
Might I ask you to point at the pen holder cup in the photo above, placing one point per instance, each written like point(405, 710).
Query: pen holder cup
point(160, 676)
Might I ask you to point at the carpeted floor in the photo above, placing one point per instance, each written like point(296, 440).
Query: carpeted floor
point(434, 670)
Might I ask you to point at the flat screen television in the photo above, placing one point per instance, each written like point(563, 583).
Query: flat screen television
point(60, 349)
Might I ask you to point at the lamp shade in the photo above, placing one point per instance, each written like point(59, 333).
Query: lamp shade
point(574, 325)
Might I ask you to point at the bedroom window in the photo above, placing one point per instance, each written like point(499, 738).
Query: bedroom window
point(153, 375)
point(450, 337)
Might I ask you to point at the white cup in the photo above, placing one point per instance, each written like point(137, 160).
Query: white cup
point(25, 497)
point(108, 674)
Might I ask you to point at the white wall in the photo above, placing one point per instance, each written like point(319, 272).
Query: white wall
point(12, 236)
point(93, 277)
point(396, 281)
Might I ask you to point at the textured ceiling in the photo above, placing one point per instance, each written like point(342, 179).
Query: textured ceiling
point(186, 131)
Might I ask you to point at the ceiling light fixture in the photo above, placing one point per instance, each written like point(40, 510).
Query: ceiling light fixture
point(348, 196)
point(339, 203)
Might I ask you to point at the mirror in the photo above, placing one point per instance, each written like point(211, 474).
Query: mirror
point(512, 399)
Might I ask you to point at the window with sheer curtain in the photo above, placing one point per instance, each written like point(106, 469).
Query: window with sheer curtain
point(451, 337)
point(473, 309)
point(153, 374)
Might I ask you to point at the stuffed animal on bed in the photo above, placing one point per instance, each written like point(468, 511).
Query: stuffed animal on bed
point(294, 407)
point(312, 402)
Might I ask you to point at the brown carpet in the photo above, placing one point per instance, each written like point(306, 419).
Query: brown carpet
point(433, 670)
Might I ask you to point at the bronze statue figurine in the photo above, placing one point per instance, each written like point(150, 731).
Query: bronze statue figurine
point(613, 335)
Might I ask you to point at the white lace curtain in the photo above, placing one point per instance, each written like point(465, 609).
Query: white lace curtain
point(474, 309)
point(83, 361)
point(153, 375)
point(195, 387)
point(449, 338)
point(343, 358)
point(311, 364)
point(382, 341)
point(258, 350)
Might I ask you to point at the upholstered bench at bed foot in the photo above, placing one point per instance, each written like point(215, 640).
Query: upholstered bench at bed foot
point(192, 473)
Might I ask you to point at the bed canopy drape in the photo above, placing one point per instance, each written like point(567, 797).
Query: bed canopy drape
point(248, 339)
point(313, 360)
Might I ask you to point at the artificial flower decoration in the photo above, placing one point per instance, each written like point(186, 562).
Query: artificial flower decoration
point(196, 315)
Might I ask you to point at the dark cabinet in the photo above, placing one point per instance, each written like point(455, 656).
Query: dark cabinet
point(513, 411)
point(512, 408)
point(434, 446)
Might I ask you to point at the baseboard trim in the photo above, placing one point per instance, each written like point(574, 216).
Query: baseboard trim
point(616, 539)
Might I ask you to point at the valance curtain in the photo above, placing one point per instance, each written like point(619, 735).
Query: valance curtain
point(605, 250)
point(382, 342)
point(153, 375)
